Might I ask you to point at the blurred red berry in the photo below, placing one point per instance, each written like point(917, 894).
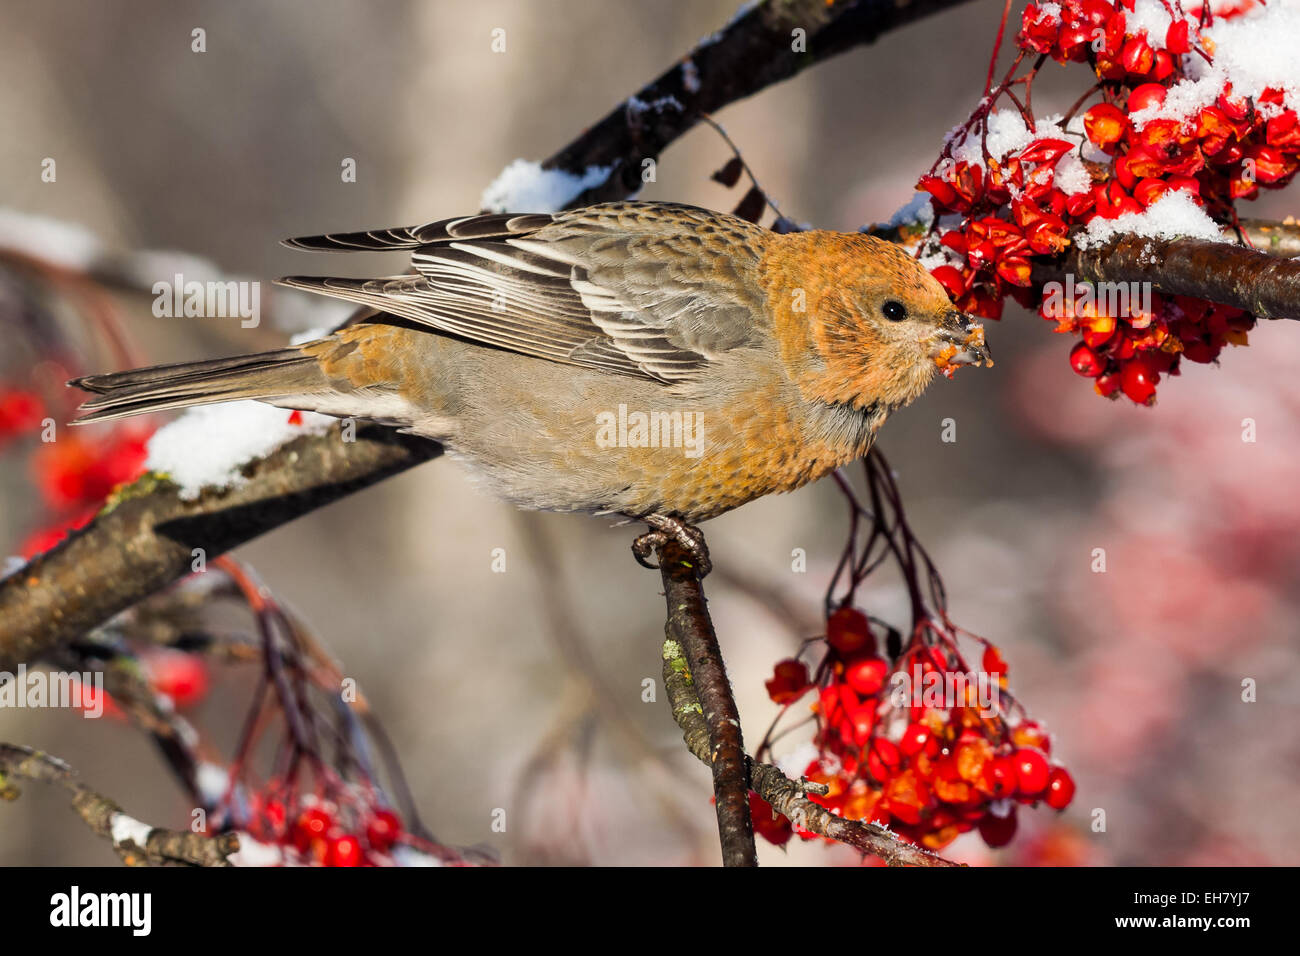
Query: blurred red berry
point(866, 675)
point(20, 411)
point(1060, 788)
point(997, 831)
point(382, 830)
point(789, 681)
point(181, 676)
point(849, 632)
point(1031, 771)
point(313, 824)
point(345, 850)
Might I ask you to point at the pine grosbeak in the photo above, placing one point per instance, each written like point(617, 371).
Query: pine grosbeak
point(651, 360)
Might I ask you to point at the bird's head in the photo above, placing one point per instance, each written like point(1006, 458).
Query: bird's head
point(860, 321)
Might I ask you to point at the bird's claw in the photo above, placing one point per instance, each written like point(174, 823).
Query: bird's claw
point(665, 529)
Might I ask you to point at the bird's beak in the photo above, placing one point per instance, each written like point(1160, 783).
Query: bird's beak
point(960, 341)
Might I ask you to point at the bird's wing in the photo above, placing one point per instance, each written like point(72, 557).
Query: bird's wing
point(648, 289)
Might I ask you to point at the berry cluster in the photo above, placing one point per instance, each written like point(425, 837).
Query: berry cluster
point(1002, 200)
point(326, 833)
point(74, 473)
point(928, 765)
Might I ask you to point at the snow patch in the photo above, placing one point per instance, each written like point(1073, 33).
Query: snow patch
point(409, 856)
point(524, 187)
point(1152, 17)
point(213, 780)
point(128, 829)
point(1172, 216)
point(690, 76)
point(1008, 133)
point(796, 762)
point(1256, 50)
point(207, 446)
point(917, 211)
point(255, 853)
point(62, 243)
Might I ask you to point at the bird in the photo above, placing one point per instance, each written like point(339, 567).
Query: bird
point(655, 361)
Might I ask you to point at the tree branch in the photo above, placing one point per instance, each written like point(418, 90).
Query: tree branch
point(145, 537)
point(1266, 285)
point(749, 54)
point(136, 843)
point(690, 629)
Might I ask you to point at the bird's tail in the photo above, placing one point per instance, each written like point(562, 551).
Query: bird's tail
point(266, 376)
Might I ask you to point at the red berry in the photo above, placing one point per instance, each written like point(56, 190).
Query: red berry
point(1137, 56)
point(789, 681)
point(313, 824)
point(1164, 66)
point(999, 777)
point(906, 797)
point(1085, 361)
point(1149, 190)
point(19, 411)
point(345, 851)
point(993, 662)
point(1269, 165)
point(951, 279)
point(867, 675)
point(182, 677)
point(883, 759)
point(1186, 184)
point(1097, 12)
point(1031, 734)
point(862, 720)
point(1106, 385)
point(1031, 771)
point(998, 831)
point(1139, 379)
point(1060, 788)
point(1104, 124)
point(1178, 38)
point(1145, 96)
point(849, 632)
point(382, 830)
point(915, 737)
point(772, 827)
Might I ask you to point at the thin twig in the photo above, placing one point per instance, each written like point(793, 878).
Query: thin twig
point(690, 628)
point(136, 843)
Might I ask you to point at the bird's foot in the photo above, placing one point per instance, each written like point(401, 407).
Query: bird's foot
point(664, 529)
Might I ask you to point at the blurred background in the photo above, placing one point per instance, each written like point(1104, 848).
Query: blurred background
point(1138, 671)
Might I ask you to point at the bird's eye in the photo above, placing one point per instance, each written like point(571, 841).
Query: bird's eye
point(894, 310)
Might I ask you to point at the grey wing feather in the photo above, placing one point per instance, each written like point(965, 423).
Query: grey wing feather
point(604, 287)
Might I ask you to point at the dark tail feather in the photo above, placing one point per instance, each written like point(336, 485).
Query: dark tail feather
point(266, 375)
